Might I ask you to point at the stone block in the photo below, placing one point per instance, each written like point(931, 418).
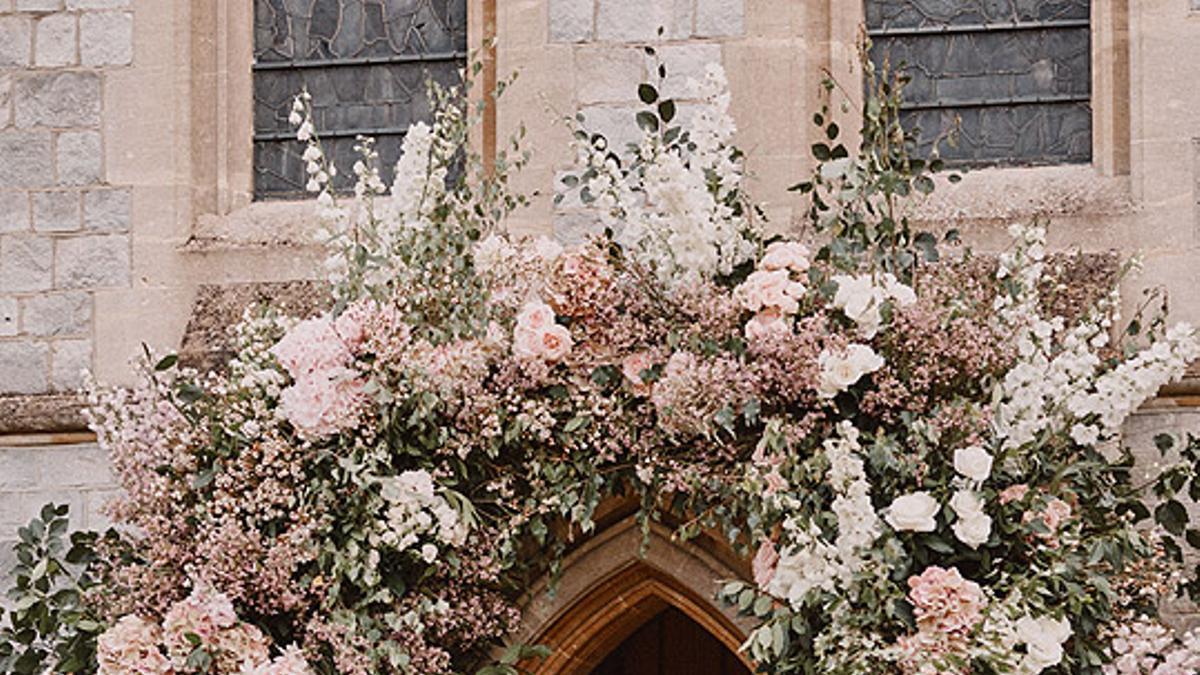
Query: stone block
point(56, 314)
point(14, 211)
point(5, 99)
point(720, 18)
point(79, 157)
point(19, 468)
point(571, 20)
point(573, 227)
point(24, 368)
point(97, 4)
point(608, 74)
point(106, 39)
point(94, 501)
point(84, 465)
point(8, 322)
point(57, 211)
point(617, 123)
point(92, 262)
point(686, 64)
point(26, 263)
point(640, 20)
point(69, 360)
point(28, 159)
point(17, 508)
point(58, 99)
point(106, 210)
point(55, 41)
point(16, 41)
point(39, 5)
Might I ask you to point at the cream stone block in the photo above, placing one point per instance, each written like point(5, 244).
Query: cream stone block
point(640, 20)
point(773, 19)
point(127, 318)
point(686, 65)
point(767, 84)
point(521, 24)
point(139, 153)
point(607, 74)
point(571, 20)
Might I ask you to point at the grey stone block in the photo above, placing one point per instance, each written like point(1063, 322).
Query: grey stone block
point(57, 211)
point(69, 360)
point(58, 99)
point(24, 369)
point(571, 20)
point(106, 39)
point(56, 314)
point(25, 263)
point(107, 210)
point(640, 20)
point(55, 41)
point(28, 159)
point(14, 211)
point(16, 41)
point(79, 157)
point(92, 262)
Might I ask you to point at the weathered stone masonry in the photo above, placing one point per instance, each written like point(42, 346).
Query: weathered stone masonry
point(63, 226)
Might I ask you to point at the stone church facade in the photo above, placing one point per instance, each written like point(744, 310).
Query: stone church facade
point(144, 186)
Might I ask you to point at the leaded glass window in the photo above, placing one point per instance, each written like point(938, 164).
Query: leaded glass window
point(365, 62)
point(1016, 73)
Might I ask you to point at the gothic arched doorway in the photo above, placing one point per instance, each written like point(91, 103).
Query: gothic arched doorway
point(613, 604)
point(671, 644)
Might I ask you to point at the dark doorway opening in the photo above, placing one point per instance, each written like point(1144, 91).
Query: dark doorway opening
point(671, 644)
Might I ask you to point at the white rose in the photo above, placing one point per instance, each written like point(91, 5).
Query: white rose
point(900, 294)
point(1043, 638)
point(914, 512)
point(973, 462)
point(859, 300)
point(429, 553)
point(841, 370)
point(973, 531)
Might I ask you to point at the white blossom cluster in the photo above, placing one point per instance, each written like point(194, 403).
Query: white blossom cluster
point(862, 297)
point(1057, 382)
point(811, 562)
point(416, 513)
point(674, 214)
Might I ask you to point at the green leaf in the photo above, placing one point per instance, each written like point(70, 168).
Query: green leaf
point(1172, 516)
point(647, 121)
point(647, 93)
point(167, 362)
point(666, 110)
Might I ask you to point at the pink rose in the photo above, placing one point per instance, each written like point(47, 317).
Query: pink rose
point(770, 289)
point(535, 315)
point(764, 563)
point(556, 342)
point(785, 255)
point(767, 322)
point(633, 366)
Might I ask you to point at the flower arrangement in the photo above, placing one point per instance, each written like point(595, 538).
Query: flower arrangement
point(917, 454)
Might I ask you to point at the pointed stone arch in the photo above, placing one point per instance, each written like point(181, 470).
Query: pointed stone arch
point(609, 588)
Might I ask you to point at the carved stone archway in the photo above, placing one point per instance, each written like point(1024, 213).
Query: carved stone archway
point(608, 590)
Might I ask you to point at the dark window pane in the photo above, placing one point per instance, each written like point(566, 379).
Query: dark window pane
point(1015, 75)
point(365, 62)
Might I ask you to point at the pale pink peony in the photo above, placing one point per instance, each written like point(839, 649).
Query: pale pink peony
point(789, 255)
point(353, 325)
point(131, 647)
point(764, 563)
point(945, 602)
point(324, 403)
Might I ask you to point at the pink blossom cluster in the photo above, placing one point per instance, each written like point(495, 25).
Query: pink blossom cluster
point(203, 620)
point(1147, 647)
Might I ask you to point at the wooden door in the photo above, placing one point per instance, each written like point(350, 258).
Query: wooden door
point(671, 644)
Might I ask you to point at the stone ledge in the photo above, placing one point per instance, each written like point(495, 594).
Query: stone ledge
point(42, 413)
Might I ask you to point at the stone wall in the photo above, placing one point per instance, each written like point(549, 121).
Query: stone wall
point(63, 225)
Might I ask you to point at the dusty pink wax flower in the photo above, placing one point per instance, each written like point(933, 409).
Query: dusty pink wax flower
point(1014, 493)
point(764, 563)
point(131, 647)
point(945, 602)
point(290, 662)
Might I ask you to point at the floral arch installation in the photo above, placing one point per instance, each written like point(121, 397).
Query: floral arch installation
point(610, 588)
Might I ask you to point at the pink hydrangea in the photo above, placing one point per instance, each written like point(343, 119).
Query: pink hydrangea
point(131, 647)
point(290, 662)
point(328, 394)
point(943, 601)
point(203, 614)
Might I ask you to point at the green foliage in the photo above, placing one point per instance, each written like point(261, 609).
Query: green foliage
point(50, 628)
